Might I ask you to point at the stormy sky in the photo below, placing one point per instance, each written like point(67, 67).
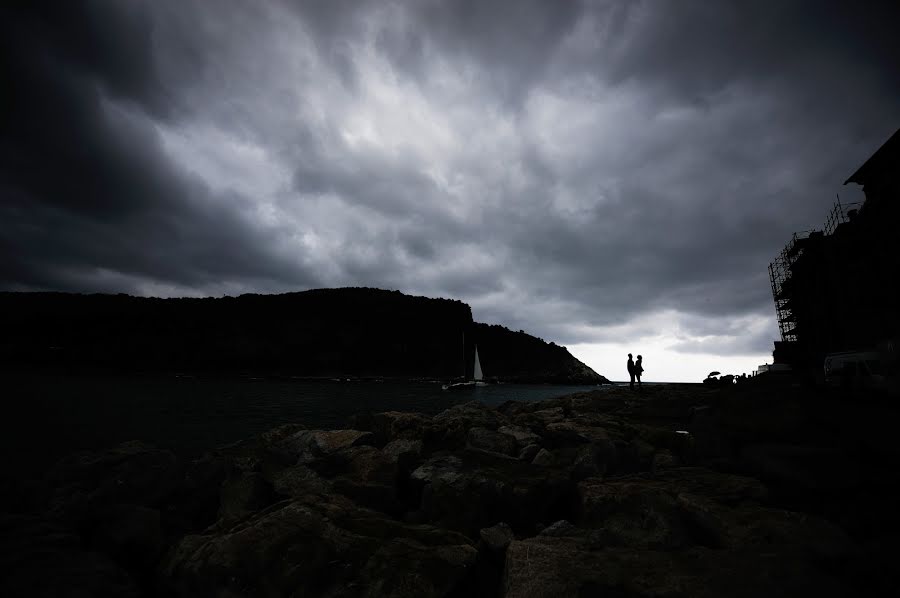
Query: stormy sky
point(611, 176)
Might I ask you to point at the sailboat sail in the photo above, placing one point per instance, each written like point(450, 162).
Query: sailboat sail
point(478, 374)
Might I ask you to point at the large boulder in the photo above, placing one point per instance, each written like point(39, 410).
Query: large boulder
point(131, 473)
point(319, 548)
point(489, 440)
point(43, 559)
point(449, 429)
point(579, 565)
point(243, 494)
point(632, 513)
point(503, 489)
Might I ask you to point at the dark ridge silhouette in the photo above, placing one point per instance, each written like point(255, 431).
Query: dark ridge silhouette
point(349, 332)
point(520, 357)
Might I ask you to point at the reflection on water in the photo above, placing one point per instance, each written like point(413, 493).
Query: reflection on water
point(52, 415)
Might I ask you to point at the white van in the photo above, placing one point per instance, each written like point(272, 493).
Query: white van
point(860, 369)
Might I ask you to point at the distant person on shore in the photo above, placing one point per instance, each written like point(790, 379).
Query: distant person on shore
point(638, 370)
point(631, 371)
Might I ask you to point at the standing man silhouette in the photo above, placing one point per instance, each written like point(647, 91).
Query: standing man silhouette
point(638, 370)
point(631, 371)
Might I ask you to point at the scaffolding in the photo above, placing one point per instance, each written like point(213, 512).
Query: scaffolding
point(780, 269)
point(840, 213)
point(780, 277)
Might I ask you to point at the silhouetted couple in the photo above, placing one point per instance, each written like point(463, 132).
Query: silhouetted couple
point(635, 369)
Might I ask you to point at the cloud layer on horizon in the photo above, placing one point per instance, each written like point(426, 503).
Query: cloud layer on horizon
point(585, 171)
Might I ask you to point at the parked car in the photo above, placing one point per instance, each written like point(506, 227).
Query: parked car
point(855, 369)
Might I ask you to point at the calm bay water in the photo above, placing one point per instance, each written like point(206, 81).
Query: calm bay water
point(51, 415)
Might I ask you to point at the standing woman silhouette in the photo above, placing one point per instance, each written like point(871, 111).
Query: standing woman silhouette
point(638, 370)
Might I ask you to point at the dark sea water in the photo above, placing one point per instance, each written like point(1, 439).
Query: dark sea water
point(51, 415)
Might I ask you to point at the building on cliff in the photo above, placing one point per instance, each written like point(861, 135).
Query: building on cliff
point(834, 288)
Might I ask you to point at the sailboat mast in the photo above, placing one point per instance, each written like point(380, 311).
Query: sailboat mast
point(464, 354)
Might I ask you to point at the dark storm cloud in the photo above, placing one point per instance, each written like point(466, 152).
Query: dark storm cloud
point(85, 185)
point(575, 169)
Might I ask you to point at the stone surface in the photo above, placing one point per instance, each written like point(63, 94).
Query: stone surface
point(608, 496)
point(497, 537)
point(489, 440)
point(312, 548)
point(543, 458)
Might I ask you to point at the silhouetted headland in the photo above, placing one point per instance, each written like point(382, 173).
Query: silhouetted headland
point(348, 332)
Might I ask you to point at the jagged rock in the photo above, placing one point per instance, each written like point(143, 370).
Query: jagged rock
point(568, 433)
point(563, 566)
point(396, 425)
point(631, 513)
point(523, 436)
point(664, 459)
point(721, 487)
point(331, 441)
point(589, 460)
point(43, 559)
point(300, 480)
point(131, 473)
point(318, 548)
point(547, 416)
point(503, 489)
point(449, 430)
point(369, 478)
point(308, 446)
point(404, 452)
point(544, 458)
point(560, 528)
point(806, 468)
point(243, 494)
point(497, 537)
point(529, 452)
point(131, 534)
point(488, 440)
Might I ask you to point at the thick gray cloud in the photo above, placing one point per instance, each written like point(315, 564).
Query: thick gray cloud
point(575, 169)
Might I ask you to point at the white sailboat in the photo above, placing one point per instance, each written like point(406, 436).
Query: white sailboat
point(477, 374)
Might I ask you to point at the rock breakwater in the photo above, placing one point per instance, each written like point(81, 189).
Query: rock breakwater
point(677, 491)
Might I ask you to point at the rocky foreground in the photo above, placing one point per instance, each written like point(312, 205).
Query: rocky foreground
point(678, 491)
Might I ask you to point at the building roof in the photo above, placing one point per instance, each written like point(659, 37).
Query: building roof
point(885, 159)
